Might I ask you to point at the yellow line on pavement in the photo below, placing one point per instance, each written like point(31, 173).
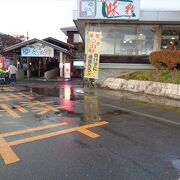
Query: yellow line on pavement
point(20, 108)
point(88, 133)
point(48, 135)
point(5, 97)
point(32, 129)
point(25, 95)
point(7, 153)
point(17, 97)
point(11, 112)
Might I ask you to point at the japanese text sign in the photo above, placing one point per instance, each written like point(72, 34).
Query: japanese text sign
point(37, 50)
point(93, 55)
point(108, 9)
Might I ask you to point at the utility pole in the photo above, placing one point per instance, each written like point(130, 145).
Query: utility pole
point(27, 36)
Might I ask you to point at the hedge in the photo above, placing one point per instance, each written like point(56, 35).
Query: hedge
point(168, 58)
point(2, 72)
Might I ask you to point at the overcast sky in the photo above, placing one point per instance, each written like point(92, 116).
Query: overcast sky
point(44, 18)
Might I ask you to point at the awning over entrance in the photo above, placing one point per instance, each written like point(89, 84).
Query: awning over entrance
point(32, 41)
point(36, 57)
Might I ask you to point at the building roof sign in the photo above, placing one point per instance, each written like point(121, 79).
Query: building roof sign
point(32, 41)
point(37, 50)
point(109, 9)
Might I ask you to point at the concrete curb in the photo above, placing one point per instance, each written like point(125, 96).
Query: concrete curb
point(146, 87)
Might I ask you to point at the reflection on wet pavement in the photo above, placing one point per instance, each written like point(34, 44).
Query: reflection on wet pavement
point(79, 108)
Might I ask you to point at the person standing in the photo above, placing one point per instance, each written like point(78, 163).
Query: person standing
point(12, 72)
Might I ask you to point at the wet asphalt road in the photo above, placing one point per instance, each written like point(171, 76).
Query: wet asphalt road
point(140, 141)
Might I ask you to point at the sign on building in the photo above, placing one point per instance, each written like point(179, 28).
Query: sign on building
point(108, 9)
point(93, 55)
point(4, 63)
point(67, 70)
point(37, 50)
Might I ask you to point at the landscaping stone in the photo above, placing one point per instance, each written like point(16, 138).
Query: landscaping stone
point(146, 87)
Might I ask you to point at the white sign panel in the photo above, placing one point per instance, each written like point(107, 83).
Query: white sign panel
point(78, 63)
point(37, 50)
point(108, 9)
point(67, 70)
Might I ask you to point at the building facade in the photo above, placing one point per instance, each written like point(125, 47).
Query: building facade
point(74, 38)
point(129, 33)
point(40, 58)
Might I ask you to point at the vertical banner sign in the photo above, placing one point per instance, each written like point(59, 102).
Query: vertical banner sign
point(67, 71)
point(93, 55)
point(2, 64)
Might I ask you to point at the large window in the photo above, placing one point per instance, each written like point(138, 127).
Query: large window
point(125, 40)
point(145, 38)
point(77, 38)
point(170, 38)
point(108, 39)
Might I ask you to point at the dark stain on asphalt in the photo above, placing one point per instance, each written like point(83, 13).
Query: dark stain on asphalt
point(116, 113)
point(41, 117)
point(81, 143)
point(66, 113)
point(118, 134)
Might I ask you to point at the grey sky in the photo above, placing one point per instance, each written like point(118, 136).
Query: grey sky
point(44, 18)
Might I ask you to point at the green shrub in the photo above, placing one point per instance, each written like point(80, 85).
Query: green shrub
point(168, 58)
point(164, 75)
point(2, 72)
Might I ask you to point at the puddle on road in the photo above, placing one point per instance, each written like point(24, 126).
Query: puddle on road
point(66, 93)
point(78, 108)
point(84, 105)
point(176, 164)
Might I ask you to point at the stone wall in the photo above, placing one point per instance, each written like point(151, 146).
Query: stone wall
point(54, 73)
point(146, 87)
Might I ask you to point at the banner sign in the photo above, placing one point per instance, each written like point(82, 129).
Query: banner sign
point(67, 70)
point(37, 50)
point(93, 55)
point(4, 63)
point(108, 9)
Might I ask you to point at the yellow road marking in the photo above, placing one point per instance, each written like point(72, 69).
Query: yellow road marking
point(10, 157)
point(88, 133)
point(46, 109)
point(25, 95)
point(45, 136)
point(17, 97)
point(36, 103)
point(20, 108)
point(32, 129)
point(5, 97)
point(7, 153)
point(11, 112)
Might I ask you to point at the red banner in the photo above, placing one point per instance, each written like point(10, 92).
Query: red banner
point(2, 64)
